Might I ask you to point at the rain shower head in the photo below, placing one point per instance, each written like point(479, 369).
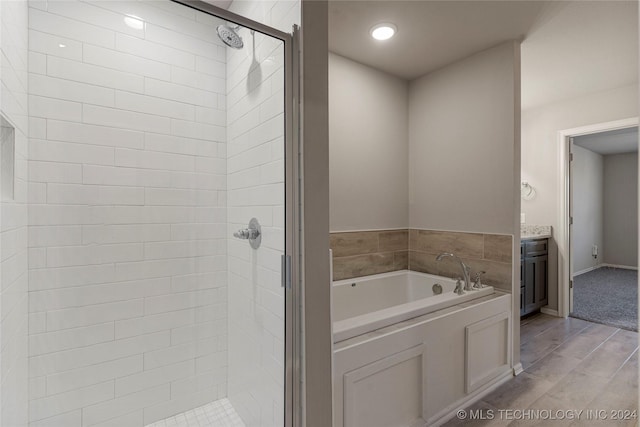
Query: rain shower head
point(229, 36)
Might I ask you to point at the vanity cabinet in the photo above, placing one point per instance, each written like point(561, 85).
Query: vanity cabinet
point(534, 268)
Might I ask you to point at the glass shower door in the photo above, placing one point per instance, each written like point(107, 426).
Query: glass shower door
point(158, 131)
point(256, 216)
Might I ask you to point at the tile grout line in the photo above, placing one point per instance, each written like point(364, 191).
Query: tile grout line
point(557, 346)
point(623, 364)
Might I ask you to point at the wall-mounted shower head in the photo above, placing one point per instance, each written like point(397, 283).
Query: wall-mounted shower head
point(229, 36)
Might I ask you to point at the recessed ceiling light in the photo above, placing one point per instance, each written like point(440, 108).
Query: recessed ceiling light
point(383, 31)
point(134, 22)
point(62, 45)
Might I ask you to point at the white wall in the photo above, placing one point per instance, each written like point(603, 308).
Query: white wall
point(464, 150)
point(255, 158)
point(588, 208)
point(605, 203)
point(463, 144)
point(621, 209)
point(540, 127)
point(127, 218)
point(13, 217)
point(368, 147)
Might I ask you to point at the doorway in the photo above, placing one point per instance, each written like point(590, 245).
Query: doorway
point(600, 212)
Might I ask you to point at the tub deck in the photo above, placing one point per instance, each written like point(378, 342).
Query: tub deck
point(365, 304)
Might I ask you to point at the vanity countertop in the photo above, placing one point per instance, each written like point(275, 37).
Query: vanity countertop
point(531, 232)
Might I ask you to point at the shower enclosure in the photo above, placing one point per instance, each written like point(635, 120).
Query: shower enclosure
point(151, 133)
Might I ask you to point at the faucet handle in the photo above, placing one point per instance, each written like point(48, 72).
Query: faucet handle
point(459, 286)
point(477, 280)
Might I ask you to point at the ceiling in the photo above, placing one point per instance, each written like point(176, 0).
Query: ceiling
point(430, 34)
point(577, 48)
point(569, 48)
point(611, 142)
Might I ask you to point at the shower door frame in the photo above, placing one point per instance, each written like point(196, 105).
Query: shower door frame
point(293, 363)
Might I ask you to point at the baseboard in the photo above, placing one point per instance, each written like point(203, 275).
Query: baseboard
point(518, 369)
point(624, 267)
point(550, 311)
point(586, 270)
point(450, 411)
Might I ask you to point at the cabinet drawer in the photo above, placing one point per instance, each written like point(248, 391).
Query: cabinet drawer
point(536, 247)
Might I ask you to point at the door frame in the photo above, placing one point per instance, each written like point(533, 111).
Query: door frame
point(565, 261)
point(293, 311)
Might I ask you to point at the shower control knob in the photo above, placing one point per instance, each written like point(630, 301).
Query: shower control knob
point(253, 234)
point(246, 234)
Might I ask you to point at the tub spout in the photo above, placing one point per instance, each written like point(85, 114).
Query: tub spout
point(465, 268)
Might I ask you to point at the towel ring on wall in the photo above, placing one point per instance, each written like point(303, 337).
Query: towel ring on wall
point(527, 192)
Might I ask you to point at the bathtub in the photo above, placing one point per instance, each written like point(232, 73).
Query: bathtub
point(364, 304)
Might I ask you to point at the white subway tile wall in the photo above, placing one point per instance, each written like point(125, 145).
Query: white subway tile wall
point(255, 151)
point(14, 261)
point(127, 218)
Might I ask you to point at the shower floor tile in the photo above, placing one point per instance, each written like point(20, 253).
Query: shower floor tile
point(215, 414)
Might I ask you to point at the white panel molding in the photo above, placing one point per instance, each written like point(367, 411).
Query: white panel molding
point(353, 377)
point(448, 413)
point(473, 380)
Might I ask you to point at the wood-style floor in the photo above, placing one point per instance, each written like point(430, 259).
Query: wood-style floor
point(569, 364)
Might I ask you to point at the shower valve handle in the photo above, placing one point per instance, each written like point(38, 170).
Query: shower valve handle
point(253, 233)
point(247, 234)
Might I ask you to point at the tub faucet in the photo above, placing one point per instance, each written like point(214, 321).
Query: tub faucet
point(465, 269)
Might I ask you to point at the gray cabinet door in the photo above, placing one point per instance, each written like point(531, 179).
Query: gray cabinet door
point(535, 283)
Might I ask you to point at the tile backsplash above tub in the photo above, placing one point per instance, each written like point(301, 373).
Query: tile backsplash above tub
point(364, 253)
point(491, 253)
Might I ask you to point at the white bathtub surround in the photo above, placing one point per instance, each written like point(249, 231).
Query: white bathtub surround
point(362, 305)
point(127, 236)
point(419, 371)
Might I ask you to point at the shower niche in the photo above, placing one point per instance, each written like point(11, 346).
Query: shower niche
point(7, 158)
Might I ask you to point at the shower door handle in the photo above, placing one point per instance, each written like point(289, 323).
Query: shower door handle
point(285, 261)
